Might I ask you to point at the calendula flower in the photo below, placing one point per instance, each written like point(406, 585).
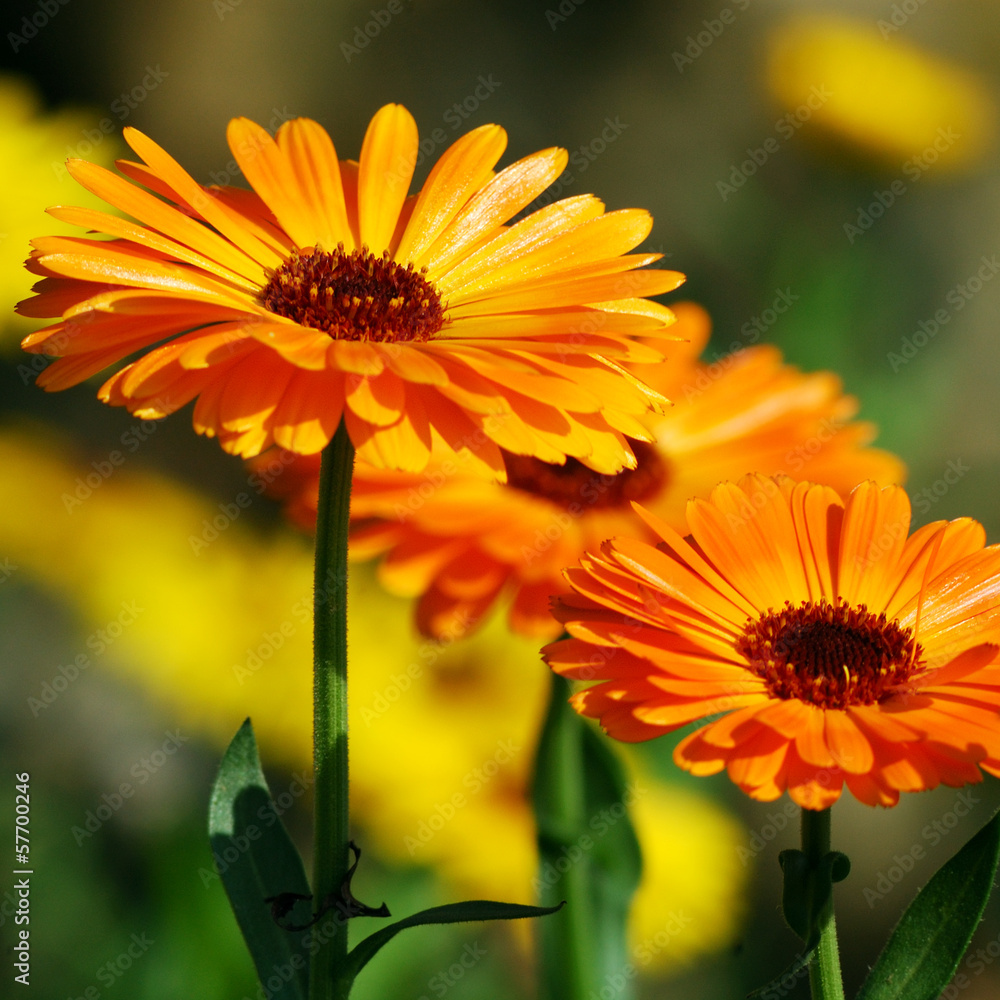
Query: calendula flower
point(327, 293)
point(460, 544)
point(838, 649)
point(861, 84)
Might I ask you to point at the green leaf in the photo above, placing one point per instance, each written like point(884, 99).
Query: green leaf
point(934, 932)
point(588, 855)
point(256, 859)
point(451, 913)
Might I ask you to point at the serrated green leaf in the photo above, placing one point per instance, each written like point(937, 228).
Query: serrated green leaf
point(934, 932)
point(588, 854)
point(256, 859)
point(450, 913)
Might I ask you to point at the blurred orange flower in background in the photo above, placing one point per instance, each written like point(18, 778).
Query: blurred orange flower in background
point(326, 292)
point(461, 544)
point(840, 650)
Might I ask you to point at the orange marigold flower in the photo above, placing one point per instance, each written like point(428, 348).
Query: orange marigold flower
point(428, 321)
point(460, 544)
point(838, 649)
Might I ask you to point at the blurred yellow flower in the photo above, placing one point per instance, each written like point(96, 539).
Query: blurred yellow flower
point(33, 151)
point(861, 84)
point(179, 595)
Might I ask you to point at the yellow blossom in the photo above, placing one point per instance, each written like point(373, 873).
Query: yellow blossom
point(33, 149)
point(861, 84)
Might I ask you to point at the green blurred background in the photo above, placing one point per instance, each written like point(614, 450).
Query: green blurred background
point(680, 108)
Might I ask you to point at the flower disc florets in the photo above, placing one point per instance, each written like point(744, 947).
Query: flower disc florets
point(830, 655)
point(574, 485)
point(354, 296)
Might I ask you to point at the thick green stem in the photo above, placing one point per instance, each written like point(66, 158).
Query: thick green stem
point(825, 981)
point(330, 847)
point(567, 967)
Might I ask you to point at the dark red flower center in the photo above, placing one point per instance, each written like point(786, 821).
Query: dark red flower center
point(574, 486)
point(830, 655)
point(354, 296)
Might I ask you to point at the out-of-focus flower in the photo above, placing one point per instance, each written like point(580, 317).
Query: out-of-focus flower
point(883, 96)
point(327, 293)
point(839, 650)
point(33, 148)
point(460, 543)
point(691, 856)
point(180, 597)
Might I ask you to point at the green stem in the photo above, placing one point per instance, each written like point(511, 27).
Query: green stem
point(567, 938)
point(825, 980)
point(330, 861)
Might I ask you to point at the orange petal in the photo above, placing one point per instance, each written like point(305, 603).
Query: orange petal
point(313, 161)
point(499, 200)
point(218, 215)
point(388, 156)
point(462, 169)
point(163, 217)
